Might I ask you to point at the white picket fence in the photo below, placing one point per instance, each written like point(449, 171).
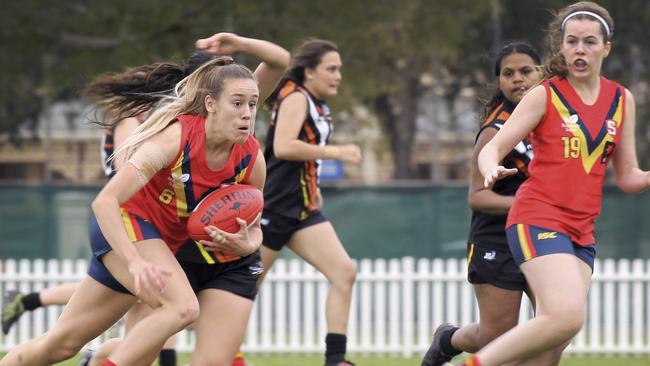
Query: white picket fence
point(396, 305)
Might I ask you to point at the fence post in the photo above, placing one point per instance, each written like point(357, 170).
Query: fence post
point(424, 304)
point(609, 303)
point(365, 303)
point(407, 312)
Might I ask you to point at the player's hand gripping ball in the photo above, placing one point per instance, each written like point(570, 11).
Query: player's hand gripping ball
point(222, 207)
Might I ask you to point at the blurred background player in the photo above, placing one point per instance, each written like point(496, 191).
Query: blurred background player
point(295, 144)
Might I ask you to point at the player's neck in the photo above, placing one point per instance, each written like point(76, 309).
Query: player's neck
point(587, 89)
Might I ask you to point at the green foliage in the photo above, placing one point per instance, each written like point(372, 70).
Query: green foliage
point(50, 49)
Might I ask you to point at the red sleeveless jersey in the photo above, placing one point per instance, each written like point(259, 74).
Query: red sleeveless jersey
point(572, 145)
point(170, 196)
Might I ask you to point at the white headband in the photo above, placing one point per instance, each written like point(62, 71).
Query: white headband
point(598, 17)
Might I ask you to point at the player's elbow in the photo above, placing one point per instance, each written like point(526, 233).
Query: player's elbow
point(473, 202)
point(629, 188)
point(631, 183)
point(99, 203)
point(284, 152)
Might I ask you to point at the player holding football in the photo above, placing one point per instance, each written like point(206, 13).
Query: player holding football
point(186, 148)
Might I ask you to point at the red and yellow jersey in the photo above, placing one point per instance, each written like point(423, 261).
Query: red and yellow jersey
point(172, 193)
point(572, 145)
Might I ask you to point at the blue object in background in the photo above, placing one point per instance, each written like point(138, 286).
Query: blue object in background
point(331, 171)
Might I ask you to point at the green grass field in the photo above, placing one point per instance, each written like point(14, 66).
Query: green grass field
point(390, 361)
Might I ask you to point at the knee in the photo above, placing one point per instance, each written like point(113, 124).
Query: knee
point(568, 322)
point(345, 274)
point(62, 348)
point(489, 332)
point(184, 313)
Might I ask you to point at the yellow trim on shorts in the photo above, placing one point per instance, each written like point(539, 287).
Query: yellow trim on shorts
point(128, 225)
point(470, 254)
point(523, 241)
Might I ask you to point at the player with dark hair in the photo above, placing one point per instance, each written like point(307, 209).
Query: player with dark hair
point(498, 283)
point(296, 142)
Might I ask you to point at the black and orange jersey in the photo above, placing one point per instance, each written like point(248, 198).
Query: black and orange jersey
point(488, 231)
point(173, 192)
point(292, 186)
point(106, 149)
point(108, 146)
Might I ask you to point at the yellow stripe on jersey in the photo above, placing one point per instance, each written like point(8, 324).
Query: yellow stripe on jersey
point(208, 258)
point(618, 115)
point(470, 254)
point(305, 192)
point(179, 187)
point(523, 241)
point(128, 225)
point(588, 159)
point(240, 176)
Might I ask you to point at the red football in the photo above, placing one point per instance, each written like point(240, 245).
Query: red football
point(221, 208)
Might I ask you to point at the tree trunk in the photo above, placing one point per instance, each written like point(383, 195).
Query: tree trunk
point(397, 114)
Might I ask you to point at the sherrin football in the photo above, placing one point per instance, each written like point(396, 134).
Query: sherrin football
point(222, 207)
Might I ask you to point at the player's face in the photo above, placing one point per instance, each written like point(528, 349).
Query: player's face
point(323, 81)
point(584, 47)
point(518, 74)
point(234, 111)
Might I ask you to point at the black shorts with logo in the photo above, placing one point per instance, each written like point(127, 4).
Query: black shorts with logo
point(238, 277)
point(495, 267)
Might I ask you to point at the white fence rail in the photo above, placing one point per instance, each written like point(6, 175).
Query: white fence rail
point(396, 304)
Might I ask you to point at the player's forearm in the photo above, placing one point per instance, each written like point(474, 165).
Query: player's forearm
point(271, 54)
point(634, 180)
point(301, 151)
point(489, 202)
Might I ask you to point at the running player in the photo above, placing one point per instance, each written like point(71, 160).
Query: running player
point(206, 129)
point(497, 281)
point(579, 121)
point(295, 144)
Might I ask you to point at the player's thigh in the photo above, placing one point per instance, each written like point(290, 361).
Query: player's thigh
point(268, 257)
point(498, 308)
point(91, 310)
point(222, 322)
point(560, 282)
point(320, 246)
point(155, 251)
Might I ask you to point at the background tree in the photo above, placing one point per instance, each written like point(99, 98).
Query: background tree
point(394, 51)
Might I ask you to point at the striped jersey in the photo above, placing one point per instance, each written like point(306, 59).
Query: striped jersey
point(107, 146)
point(488, 230)
point(106, 149)
point(292, 186)
point(573, 143)
point(170, 196)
